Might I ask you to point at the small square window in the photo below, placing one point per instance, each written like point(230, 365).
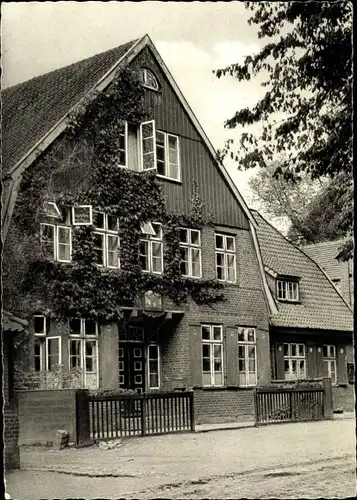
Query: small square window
point(39, 324)
point(82, 215)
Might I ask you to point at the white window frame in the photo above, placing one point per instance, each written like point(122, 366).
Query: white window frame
point(105, 233)
point(41, 343)
point(166, 154)
point(58, 243)
point(247, 344)
point(53, 205)
point(285, 290)
point(82, 336)
point(297, 357)
point(56, 229)
point(40, 334)
point(225, 252)
point(212, 342)
point(153, 152)
point(330, 360)
point(153, 344)
point(126, 146)
point(59, 351)
point(89, 223)
point(150, 239)
point(191, 246)
point(143, 77)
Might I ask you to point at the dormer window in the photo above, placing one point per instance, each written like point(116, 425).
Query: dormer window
point(148, 79)
point(287, 290)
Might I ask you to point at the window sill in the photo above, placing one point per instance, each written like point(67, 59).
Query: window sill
point(286, 301)
point(170, 179)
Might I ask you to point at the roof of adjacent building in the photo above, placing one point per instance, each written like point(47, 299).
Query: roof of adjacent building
point(12, 323)
point(325, 255)
point(320, 305)
point(31, 108)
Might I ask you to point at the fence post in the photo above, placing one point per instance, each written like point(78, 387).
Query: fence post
point(256, 416)
point(143, 415)
point(192, 410)
point(327, 398)
point(82, 418)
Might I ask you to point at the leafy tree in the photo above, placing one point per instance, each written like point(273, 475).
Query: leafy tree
point(308, 65)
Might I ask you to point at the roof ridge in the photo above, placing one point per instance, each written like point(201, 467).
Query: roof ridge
point(53, 71)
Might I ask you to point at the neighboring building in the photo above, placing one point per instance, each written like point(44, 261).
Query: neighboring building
point(11, 326)
point(311, 334)
point(340, 273)
point(221, 350)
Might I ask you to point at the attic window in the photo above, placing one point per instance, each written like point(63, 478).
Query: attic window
point(287, 290)
point(82, 215)
point(148, 79)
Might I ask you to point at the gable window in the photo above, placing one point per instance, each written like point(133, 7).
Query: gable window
point(123, 144)
point(225, 258)
point(83, 350)
point(106, 240)
point(190, 250)
point(148, 145)
point(151, 250)
point(247, 356)
point(288, 290)
point(82, 215)
point(212, 355)
point(148, 79)
point(329, 357)
point(294, 361)
point(56, 242)
point(167, 155)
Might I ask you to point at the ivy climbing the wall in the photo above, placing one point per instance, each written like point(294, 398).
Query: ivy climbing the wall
point(81, 287)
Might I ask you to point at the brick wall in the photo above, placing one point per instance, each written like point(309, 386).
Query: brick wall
point(42, 413)
point(11, 436)
point(215, 406)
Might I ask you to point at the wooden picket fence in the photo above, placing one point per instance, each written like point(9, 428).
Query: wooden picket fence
point(112, 417)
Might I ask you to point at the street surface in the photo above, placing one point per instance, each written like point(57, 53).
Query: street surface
point(308, 460)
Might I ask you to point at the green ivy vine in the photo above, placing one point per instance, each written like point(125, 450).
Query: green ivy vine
point(81, 288)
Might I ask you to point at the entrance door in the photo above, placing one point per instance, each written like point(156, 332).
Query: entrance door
point(132, 361)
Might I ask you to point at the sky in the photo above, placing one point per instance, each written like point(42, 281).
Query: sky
point(193, 38)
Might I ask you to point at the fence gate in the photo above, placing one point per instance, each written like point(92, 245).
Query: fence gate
point(139, 415)
point(275, 405)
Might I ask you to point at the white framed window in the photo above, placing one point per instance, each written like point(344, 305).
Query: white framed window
point(39, 325)
point(123, 145)
point(82, 215)
point(190, 251)
point(225, 257)
point(56, 242)
point(148, 145)
point(53, 352)
point(294, 361)
point(148, 79)
point(106, 240)
point(287, 290)
point(39, 354)
point(64, 244)
point(151, 250)
point(83, 350)
point(52, 210)
point(329, 360)
point(212, 355)
point(247, 356)
point(168, 155)
point(153, 366)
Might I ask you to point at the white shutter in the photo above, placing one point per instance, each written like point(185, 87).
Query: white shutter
point(148, 145)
